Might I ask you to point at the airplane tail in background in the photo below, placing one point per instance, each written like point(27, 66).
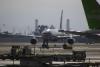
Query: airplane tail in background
point(61, 20)
point(92, 11)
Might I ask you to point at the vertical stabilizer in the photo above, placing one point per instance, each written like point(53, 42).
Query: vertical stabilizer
point(92, 11)
point(61, 20)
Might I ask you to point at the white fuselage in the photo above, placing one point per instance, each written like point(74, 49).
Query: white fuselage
point(55, 32)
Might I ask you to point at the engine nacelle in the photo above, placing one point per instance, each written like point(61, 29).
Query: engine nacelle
point(71, 41)
point(33, 41)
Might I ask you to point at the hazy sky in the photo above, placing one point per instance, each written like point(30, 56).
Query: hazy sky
point(20, 15)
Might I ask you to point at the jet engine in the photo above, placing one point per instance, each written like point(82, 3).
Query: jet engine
point(70, 41)
point(33, 41)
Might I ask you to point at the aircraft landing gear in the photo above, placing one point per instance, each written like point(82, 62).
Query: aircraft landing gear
point(65, 46)
point(45, 44)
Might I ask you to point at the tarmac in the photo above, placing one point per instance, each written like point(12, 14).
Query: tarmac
point(92, 50)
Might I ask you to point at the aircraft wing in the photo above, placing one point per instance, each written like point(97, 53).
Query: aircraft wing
point(73, 32)
point(89, 32)
point(38, 37)
point(62, 36)
point(76, 32)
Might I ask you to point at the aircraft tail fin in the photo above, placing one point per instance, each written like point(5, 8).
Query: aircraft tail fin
point(92, 11)
point(61, 20)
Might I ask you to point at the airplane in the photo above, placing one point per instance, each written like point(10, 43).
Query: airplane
point(54, 35)
point(92, 11)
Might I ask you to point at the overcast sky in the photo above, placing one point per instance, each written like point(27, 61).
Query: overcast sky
point(20, 15)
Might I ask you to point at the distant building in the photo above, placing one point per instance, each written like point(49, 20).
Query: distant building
point(36, 25)
point(52, 27)
point(40, 29)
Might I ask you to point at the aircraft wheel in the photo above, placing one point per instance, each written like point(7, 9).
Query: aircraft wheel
point(64, 46)
point(45, 46)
